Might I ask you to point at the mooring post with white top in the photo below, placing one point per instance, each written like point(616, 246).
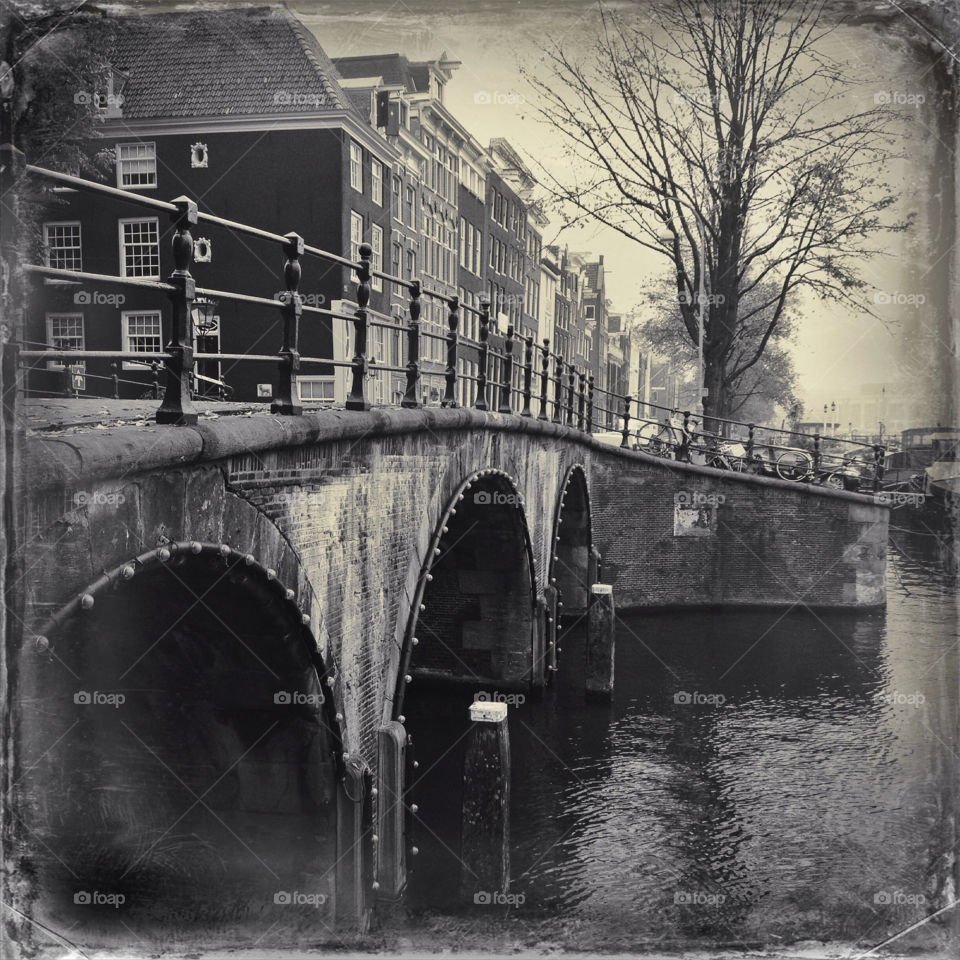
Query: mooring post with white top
point(601, 628)
point(485, 834)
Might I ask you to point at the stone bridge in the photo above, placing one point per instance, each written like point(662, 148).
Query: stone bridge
point(225, 622)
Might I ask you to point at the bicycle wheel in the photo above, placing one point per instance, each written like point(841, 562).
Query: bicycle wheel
point(793, 465)
point(658, 439)
point(835, 480)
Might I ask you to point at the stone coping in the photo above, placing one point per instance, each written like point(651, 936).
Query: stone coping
point(85, 450)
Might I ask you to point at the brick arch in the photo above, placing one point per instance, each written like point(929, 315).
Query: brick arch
point(484, 597)
point(571, 541)
point(225, 698)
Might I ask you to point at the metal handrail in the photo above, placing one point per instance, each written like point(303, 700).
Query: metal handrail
point(514, 370)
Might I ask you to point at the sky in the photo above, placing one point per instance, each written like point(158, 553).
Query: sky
point(837, 349)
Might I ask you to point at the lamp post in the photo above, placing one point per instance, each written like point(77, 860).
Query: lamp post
point(833, 416)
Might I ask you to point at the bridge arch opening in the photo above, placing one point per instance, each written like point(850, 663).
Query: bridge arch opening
point(470, 636)
point(474, 616)
point(571, 571)
point(195, 775)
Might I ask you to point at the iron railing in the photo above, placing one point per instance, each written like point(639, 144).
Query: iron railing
point(517, 371)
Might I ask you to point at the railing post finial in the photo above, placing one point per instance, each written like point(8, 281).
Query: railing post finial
point(544, 378)
point(484, 362)
point(357, 400)
point(411, 397)
point(177, 407)
point(506, 387)
point(527, 377)
point(286, 396)
point(450, 374)
point(625, 440)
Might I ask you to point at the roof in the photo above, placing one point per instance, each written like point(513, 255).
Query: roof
point(394, 69)
point(241, 62)
point(591, 274)
point(512, 159)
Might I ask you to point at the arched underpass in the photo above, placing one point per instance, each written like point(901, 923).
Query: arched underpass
point(570, 562)
point(192, 777)
point(472, 635)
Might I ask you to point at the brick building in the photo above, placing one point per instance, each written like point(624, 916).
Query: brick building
point(189, 112)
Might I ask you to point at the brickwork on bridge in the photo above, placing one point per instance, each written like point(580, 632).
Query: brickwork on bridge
point(344, 507)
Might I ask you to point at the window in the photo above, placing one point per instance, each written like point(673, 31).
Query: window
point(64, 332)
point(62, 242)
point(136, 166)
point(140, 248)
point(141, 334)
point(410, 204)
point(376, 182)
point(589, 311)
point(356, 235)
point(396, 266)
point(411, 264)
point(356, 166)
point(316, 388)
point(463, 243)
point(395, 198)
point(376, 261)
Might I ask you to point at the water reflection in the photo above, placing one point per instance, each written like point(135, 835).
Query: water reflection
point(760, 776)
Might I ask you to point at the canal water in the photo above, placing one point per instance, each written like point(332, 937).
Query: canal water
point(761, 777)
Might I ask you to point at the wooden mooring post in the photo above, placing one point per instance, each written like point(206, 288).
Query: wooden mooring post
point(485, 835)
point(601, 629)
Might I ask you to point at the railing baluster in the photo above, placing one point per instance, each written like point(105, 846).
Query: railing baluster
point(484, 362)
point(155, 368)
point(357, 400)
point(506, 388)
point(581, 401)
point(558, 388)
point(625, 440)
point(750, 443)
point(816, 453)
point(453, 320)
point(590, 404)
point(177, 407)
point(544, 379)
point(683, 453)
point(527, 377)
point(115, 376)
point(286, 397)
point(411, 398)
point(571, 390)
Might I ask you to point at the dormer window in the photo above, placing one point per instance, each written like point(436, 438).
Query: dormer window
point(109, 105)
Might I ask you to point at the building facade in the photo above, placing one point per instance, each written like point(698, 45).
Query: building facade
point(358, 150)
point(191, 134)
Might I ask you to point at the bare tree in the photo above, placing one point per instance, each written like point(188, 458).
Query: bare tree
point(714, 132)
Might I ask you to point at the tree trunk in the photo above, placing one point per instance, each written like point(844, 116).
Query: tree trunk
point(715, 402)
